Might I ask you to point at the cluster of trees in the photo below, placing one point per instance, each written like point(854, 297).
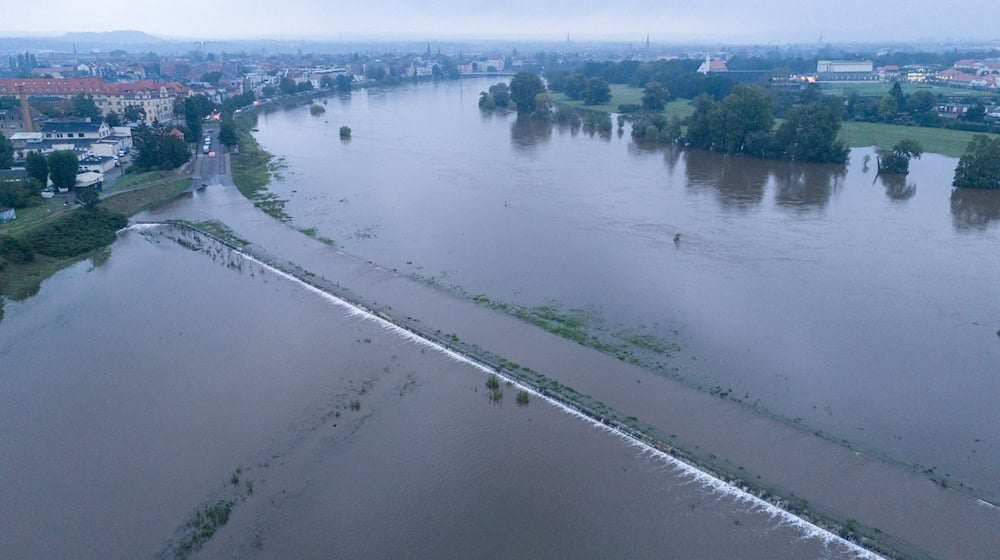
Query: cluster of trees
point(287, 86)
point(22, 65)
point(979, 167)
point(680, 77)
point(342, 83)
point(16, 193)
point(156, 148)
point(195, 109)
point(530, 96)
point(591, 90)
point(498, 97)
point(743, 123)
point(919, 107)
point(78, 106)
point(59, 166)
point(655, 127)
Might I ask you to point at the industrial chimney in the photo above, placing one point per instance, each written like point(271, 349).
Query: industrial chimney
point(25, 109)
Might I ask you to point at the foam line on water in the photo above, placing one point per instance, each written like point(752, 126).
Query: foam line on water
point(687, 470)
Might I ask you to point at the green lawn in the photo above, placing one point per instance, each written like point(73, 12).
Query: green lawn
point(934, 140)
point(625, 95)
point(28, 218)
point(133, 180)
point(878, 89)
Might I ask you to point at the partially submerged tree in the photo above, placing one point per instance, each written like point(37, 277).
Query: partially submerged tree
point(524, 88)
point(897, 160)
point(809, 133)
point(979, 167)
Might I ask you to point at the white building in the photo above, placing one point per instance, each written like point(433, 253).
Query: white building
point(837, 66)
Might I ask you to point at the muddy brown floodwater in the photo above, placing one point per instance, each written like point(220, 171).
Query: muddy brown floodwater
point(864, 308)
point(178, 375)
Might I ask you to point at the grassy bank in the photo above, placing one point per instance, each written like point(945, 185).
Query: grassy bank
point(879, 89)
point(253, 168)
point(951, 143)
point(135, 201)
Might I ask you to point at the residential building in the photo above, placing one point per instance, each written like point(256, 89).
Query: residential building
point(156, 98)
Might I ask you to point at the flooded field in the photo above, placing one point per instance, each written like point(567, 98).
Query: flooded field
point(176, 389)
point(858, 307)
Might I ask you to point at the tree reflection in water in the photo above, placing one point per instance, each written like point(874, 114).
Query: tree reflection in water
point(805, 186)
point(738, 181)
point(974, 209)
point(526, 133)
point(896, 187)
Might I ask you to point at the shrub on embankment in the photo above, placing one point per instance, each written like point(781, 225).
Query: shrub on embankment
point(76, 233)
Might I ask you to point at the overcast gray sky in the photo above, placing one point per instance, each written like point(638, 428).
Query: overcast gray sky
point(776, 21)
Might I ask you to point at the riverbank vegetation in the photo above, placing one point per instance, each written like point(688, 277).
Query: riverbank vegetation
point(498, 97)
point(76, 233)
point(252, 169)
point(27, 260)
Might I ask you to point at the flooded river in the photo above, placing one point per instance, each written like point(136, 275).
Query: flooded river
point(862, 308)
point(176, 375)
point(805, 312)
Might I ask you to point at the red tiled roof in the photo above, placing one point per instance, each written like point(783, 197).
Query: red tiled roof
point(90, 86)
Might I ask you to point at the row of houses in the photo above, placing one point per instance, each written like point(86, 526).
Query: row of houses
point(97, 145)
point(155, 98)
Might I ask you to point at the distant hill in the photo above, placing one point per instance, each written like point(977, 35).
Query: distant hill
point(118, 37)
point(84, 42)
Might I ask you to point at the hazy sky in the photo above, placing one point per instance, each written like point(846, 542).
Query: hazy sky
point(664, 20)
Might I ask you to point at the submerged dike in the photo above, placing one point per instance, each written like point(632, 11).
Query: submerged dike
point(564, 398)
